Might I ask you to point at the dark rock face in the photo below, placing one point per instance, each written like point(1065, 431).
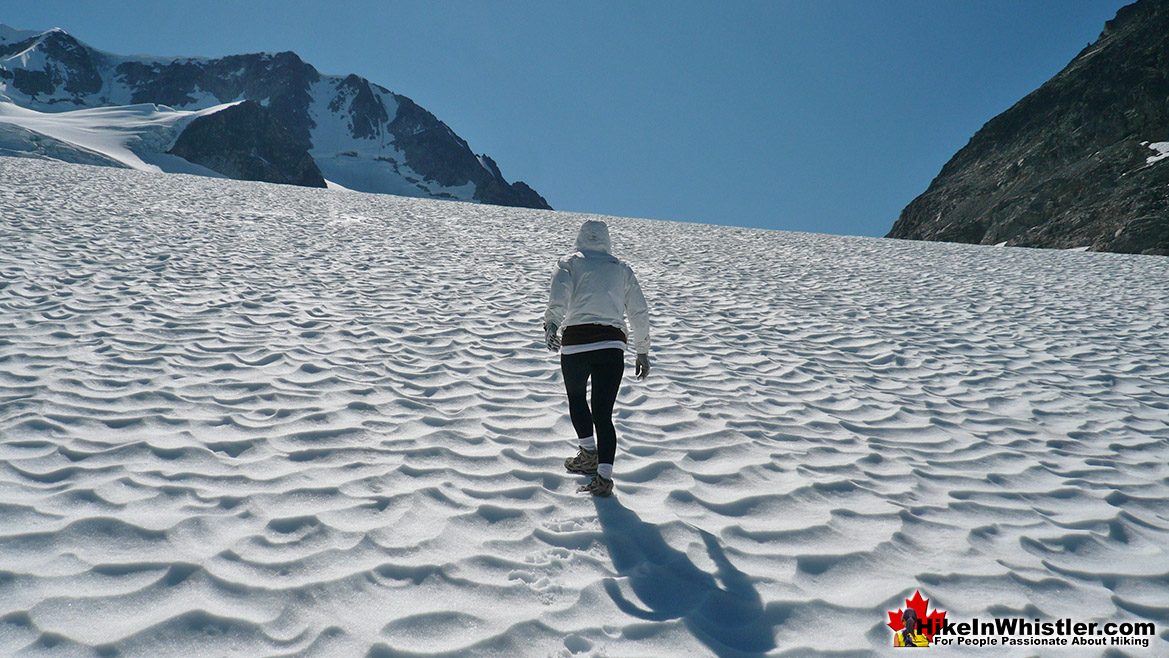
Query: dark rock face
point(282, 80)
point(435, 151)
point(246, 142)
point(497, 191)
point(367, 111)
point(1069, 165)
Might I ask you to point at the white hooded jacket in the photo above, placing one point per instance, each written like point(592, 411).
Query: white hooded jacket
point(592, 286)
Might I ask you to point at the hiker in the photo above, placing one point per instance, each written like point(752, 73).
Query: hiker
point(592, 294)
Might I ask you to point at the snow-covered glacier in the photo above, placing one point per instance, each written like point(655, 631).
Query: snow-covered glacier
point(249, 419)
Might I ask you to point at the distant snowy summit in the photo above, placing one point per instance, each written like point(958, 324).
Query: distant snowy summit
point(1079, 163)
point(62, 99)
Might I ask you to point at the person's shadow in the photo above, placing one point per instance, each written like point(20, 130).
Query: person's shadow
point(730, 619)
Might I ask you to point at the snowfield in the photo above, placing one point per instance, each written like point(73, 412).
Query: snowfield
point(132, 136)
point(258, 420)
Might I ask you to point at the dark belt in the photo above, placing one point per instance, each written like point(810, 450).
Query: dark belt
point(583, 334)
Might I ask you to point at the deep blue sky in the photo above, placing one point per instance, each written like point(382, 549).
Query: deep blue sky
point(817, 115)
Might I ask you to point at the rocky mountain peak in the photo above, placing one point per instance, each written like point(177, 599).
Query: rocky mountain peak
point(68, 64)
point(360, 135)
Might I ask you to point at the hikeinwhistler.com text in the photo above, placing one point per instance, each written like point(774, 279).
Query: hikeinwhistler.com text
point(1016, 631)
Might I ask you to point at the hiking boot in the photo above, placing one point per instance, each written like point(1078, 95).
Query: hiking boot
point(584, 462)
point(598, 486)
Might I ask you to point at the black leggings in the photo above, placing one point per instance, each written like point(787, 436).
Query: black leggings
point(605, 367)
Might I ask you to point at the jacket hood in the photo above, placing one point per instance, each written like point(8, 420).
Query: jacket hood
point(594, 236)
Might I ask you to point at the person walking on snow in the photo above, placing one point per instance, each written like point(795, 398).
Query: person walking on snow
point(592, 293)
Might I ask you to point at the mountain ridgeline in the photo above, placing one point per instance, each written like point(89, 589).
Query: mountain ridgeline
point(1083, 161)
point(356, 133)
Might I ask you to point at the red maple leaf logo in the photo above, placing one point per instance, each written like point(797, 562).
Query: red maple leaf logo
point(919, 605)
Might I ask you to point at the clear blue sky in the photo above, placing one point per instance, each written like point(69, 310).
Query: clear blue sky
point(817, 115)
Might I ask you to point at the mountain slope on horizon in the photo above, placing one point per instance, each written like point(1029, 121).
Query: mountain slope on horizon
point(242, 419)
point(1078, 163)
point(361, 136)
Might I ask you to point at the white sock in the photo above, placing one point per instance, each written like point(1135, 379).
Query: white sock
point(605, 471)
point(588, 443)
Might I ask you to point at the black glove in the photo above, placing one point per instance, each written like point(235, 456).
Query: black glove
point(551, 337)
point(642, 370)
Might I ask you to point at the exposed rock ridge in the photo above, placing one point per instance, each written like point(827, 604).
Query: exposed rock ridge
point(1074, 163)
point(246, 142)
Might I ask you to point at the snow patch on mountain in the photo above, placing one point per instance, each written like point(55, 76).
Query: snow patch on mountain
point(137, 136)
point(17, 141)
point(1162, 152)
